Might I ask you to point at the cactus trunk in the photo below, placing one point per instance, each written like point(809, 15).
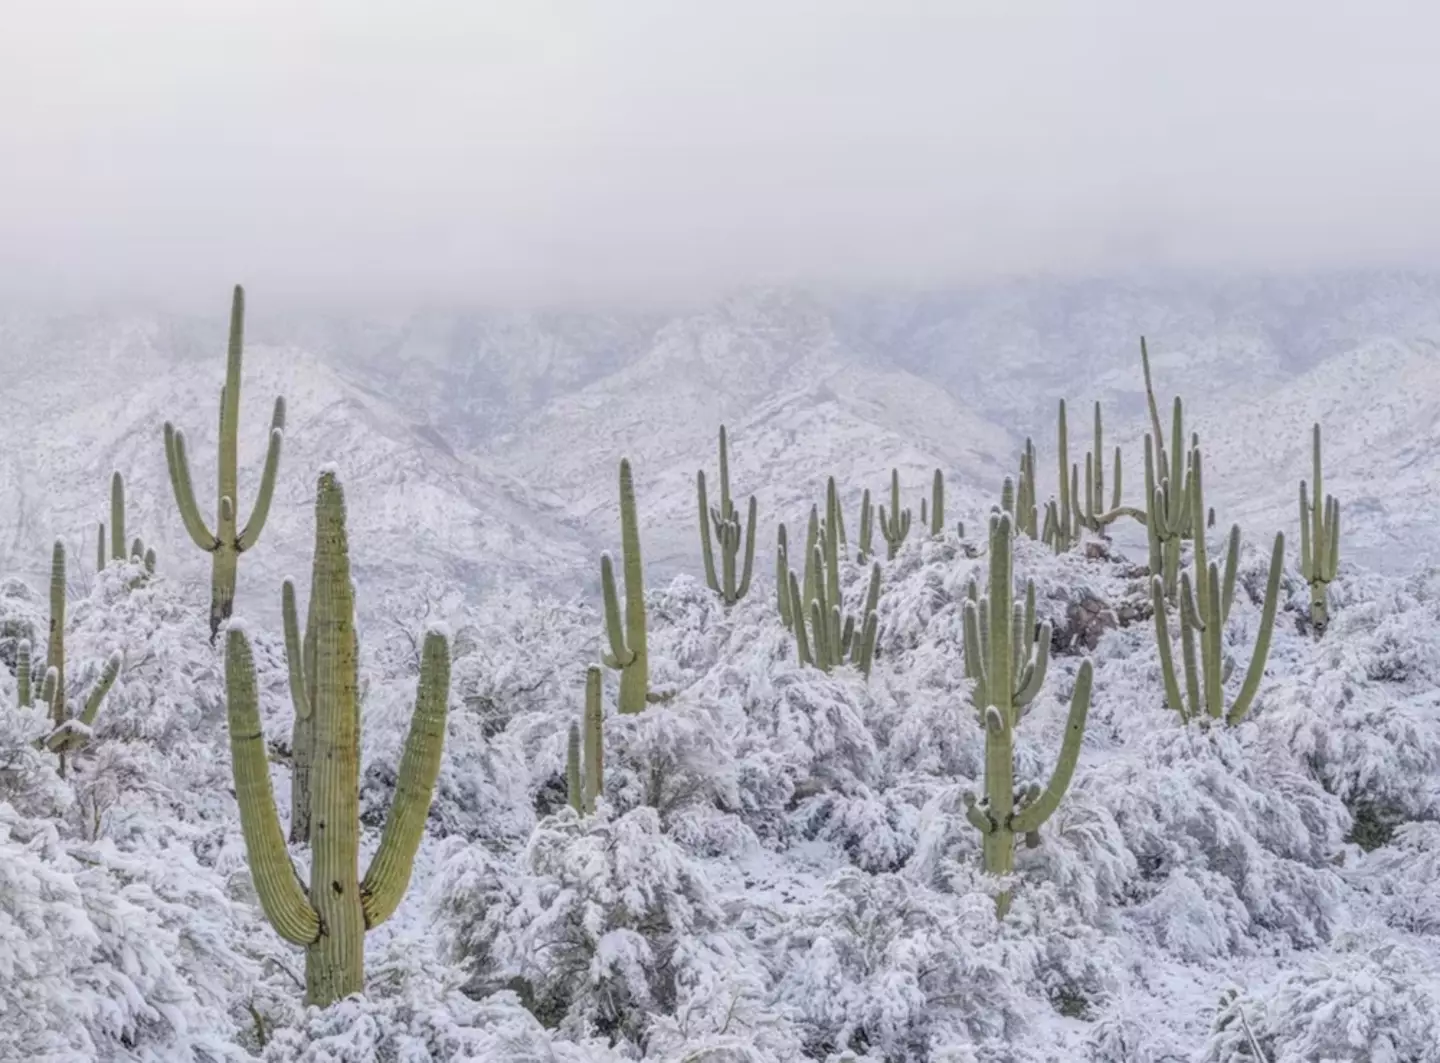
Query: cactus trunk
point(627, 638)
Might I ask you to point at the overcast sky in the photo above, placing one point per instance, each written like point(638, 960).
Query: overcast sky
point(379, 155)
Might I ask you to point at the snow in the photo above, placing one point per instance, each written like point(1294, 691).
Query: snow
point(780, 867)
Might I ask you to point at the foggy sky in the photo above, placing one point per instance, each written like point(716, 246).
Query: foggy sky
point(633, 152)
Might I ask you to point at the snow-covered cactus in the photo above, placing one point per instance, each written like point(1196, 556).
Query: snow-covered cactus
point(1169, 519)
point(1065, 531)
point(1319, 541)
point(726, 522)
point(117, 516)
point(1026, 508)
point(228, 541)
point(340, 907)
point(824, 636)
point(895, 525)
point(69, 730)
point(1007, 661)
point(585, 756)
point(782, 576)
point(1204, 607)
point(1094, 516)
point(23, 694)
point(627, 636)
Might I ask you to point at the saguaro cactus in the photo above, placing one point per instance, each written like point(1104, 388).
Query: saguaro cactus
point(228, 541)
point(1319, 542)
point(895, 525)
point(814, 610)
point(1007, 662)
point(331, 918)
point(1095, 517)
point(585, 757)
point(867, 529)
point(627, 636)
point(70, 728)
point(300, 657)
point(1026, 508)
point(937, 505)
point(726, 521)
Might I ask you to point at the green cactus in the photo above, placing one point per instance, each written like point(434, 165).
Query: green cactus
point(1026, 508)
point(1065, 531)
point(585, 758)
point(1007, 661)
point(300, 658)
point(937, 505)
point(1169, 516)
point(69, 729)
point(895, 525)
point(228, 541)
point(627, 637)
point(1319, 542)
point(117, 516)
point(101, 557)
point(331, 921)
point(726, 522)
point(22, 675)
point(824, 636)
point(867, 529)
point(782, 576)
point(1204, 607)
point(1095, 517)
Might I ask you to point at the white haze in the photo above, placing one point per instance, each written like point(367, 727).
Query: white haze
point(369, 155)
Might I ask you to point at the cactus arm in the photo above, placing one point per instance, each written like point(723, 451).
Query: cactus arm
point(1212, 640)
point(974, 656)
point(1167, 656)
point(749, 567)
point(797, 606)
point(1043, 807)
point(1037, 667)
point(282, 896)
point(302, 739)
point(706, 547)
point(1261, 652)
point(256, 524)
point(389, 874)
point(100, 689)
point(1189, 625)
point(184, 490)
point(1232, 564)
point(48, 686)
point(100, 556)
point(614, 627)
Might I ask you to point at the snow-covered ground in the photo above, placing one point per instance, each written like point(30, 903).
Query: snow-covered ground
point(781, 867)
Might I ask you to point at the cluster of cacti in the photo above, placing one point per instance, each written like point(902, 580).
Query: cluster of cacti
point(894, 525)
point(331, 918)
point(585, 750)
point(626, 634)
point(726, 522)
point(1024, 513)
point(814, 609)
point(228, 540)
point(137, 549)
point(69, 728)
point(1319, 542)
point(1204, 607)
point(1007, 661)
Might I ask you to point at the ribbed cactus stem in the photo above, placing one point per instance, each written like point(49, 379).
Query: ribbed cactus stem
point(227, 541)
point(782, 577)
point(55, 648)
point(1064, 530)
point(627, 635)
point(117, 517)
point(101, 555)
point(22, 674)
point(300, 658)
point(593, 746)
point(331, 922)
point(726, 524)
point(572, 770)
point(1007, 670)
point(1319, 541)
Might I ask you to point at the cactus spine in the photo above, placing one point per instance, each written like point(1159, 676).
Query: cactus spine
point(1319, 541)
point(228, 541)
point(1008, 672)
point(895, 525)
point(340, 907)
point(726, 522)
point(585, 757)
point(627, 637)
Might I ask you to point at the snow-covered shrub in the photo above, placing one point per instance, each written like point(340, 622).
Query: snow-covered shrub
point(604, 923)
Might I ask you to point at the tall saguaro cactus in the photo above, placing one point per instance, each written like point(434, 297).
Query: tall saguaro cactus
point(726, 521)
point(330, 918)
point(228, 540)
point(1008, 673)
point(117, 552)
point(627, 636)
point(937, 505)
point(1319, 542)
point(894, 525)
